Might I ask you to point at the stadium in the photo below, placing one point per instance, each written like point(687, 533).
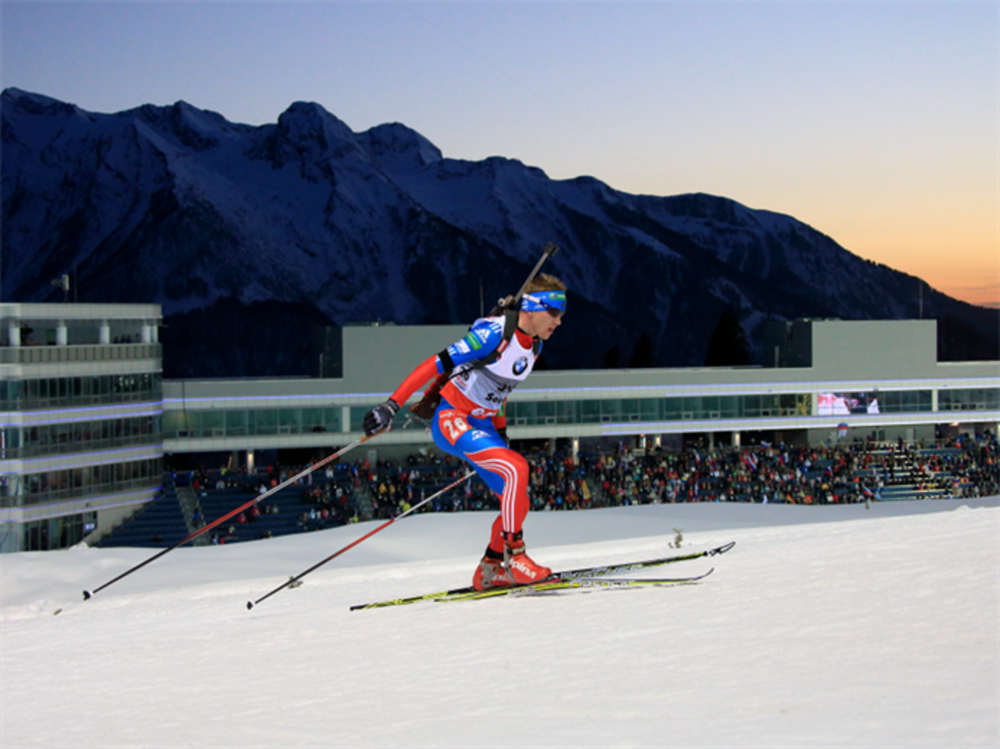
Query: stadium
point(96, 447)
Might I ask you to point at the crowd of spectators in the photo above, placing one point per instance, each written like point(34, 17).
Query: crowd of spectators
point(857, 472)
point(861, 471)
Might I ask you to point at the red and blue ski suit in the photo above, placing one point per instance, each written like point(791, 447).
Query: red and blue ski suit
point(471, 410)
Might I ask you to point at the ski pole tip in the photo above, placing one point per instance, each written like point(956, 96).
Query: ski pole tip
point(86, 595)
point(249, 605)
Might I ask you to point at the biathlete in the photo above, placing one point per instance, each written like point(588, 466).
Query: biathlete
point(474, 377)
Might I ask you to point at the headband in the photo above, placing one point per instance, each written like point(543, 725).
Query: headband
point(537, 301)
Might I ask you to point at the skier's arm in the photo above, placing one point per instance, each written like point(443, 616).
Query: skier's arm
point(480, 341)
point(380, 418)
point(416, 379)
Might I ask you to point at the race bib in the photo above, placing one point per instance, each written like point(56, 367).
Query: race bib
point(453, 424)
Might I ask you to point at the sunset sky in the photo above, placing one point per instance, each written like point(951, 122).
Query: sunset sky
point(874, 122)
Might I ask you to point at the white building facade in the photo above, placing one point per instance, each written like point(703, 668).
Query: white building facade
point(81, 410)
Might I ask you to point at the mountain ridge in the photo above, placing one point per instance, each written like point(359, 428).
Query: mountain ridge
point(178, 206)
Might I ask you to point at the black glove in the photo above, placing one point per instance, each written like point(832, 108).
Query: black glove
point(380, 418)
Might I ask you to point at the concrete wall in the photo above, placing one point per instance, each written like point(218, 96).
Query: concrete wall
point(875, 348)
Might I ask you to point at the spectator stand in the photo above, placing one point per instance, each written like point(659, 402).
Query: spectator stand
point(349, 492)
point(159, 524)
point(324, 499)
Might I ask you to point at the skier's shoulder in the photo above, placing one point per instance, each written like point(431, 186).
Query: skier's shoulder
point(487, 331)
point(484, 337)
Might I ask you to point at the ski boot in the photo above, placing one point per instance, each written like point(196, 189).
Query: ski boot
point(491, 572)
point(521, 568)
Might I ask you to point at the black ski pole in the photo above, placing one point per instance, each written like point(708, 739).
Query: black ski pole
point(386, 524)
point(204, 529)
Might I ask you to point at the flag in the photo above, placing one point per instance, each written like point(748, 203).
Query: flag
point(750, 461)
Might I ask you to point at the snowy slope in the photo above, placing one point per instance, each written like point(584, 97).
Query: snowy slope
point(824, 626)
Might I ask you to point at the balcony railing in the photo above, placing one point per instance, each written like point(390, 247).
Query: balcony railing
point(86, 353)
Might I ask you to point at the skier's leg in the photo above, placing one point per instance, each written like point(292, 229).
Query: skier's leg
point(505, 473)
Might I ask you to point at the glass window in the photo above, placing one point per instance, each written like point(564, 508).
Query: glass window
point(649, 409)
point(236, 423)
point(521, 413)
point(691, 407)
point(266, 421)
point(288, 421)
point(566, 412)
point(673, 408)
point(545, 412)
point(331, 418)
point(312, 420)
point(174, 424)
point(590, 412)
point(629, 409)
point(730, 406)
point(212, 422)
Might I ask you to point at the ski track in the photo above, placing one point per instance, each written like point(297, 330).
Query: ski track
point(878, 630)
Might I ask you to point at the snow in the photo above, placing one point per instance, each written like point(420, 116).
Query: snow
point(824, 626)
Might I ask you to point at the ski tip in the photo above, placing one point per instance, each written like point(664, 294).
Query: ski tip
point(86, 595)
point(249, 605)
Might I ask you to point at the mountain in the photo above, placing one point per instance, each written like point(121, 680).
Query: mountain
point(178, 206)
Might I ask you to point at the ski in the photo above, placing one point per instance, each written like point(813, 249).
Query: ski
point(577, 583)
point(565, 575)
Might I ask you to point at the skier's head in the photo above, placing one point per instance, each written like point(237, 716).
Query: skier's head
point(545, 293)
point(542, 306)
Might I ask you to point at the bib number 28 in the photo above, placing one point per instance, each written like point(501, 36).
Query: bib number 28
point(453, 425)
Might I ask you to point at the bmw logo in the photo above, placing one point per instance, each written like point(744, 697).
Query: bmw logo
point(520, 365)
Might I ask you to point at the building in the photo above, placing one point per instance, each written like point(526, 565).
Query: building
point(827, 381)
point(850, 379)
point(81, 403)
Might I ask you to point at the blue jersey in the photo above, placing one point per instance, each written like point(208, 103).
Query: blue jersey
point(481, 389)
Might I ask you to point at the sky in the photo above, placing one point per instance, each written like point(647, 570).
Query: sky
point(824, 626)
point(876, 123)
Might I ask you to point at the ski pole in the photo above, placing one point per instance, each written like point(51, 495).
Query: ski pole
point(386, 524)
point(87, 594)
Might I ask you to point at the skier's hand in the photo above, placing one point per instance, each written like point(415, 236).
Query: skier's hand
point(380, 418)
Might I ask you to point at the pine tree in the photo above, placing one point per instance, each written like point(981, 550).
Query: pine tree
point(643, 355)
point(728, 345)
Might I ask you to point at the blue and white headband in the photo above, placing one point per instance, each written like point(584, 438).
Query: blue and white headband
point(541, 301)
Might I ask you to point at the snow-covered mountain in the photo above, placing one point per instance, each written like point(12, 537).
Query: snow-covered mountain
point(179, 206)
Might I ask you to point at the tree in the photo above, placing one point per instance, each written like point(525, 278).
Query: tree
point(643, 355)
point(612, 358)
point(728, 345)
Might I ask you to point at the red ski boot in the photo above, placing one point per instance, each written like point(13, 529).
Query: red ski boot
point(521, 568)
point(491, 572)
